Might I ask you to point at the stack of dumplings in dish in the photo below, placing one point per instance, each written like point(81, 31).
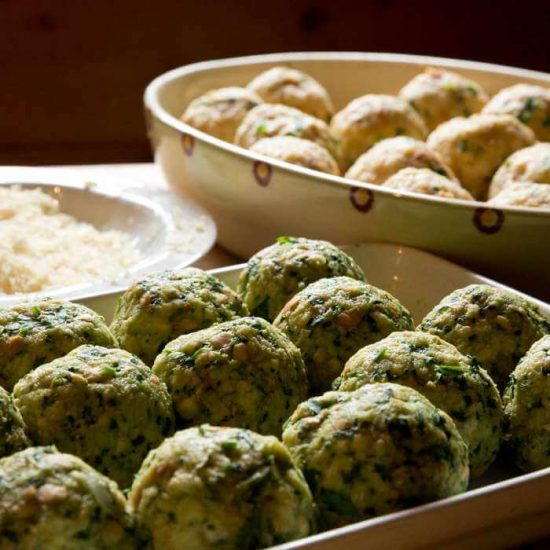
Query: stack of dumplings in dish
point(300, 400)
point(479, 142)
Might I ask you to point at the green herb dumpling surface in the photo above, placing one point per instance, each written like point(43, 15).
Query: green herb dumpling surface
point(494, 325)
point(35, 332)
point(527, 408)
point(162, 306)
point(242, 373)
point(451, 381)
point(214, 487)
point(333, 318)
point(103, 405)
point(56, 501)
point(378, 449)
point(12, 427)
point(273, 275)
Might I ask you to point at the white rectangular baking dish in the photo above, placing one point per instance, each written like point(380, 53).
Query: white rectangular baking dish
point(503, 508)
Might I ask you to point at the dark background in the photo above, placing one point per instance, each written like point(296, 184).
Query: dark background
point(73, 72)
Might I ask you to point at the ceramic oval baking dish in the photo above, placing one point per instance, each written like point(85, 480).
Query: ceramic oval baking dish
point(254, 198)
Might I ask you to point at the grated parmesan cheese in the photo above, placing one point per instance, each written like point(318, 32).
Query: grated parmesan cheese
point(42, 248)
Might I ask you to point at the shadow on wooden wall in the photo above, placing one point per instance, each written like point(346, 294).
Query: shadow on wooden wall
point(73, 72)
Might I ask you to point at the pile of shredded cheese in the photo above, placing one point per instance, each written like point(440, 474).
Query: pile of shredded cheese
point(42, 248)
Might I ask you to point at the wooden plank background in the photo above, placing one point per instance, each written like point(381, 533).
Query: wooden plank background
point(73, 72)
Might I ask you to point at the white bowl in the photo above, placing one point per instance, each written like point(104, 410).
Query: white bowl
point(167, 230)
point(254, 199)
